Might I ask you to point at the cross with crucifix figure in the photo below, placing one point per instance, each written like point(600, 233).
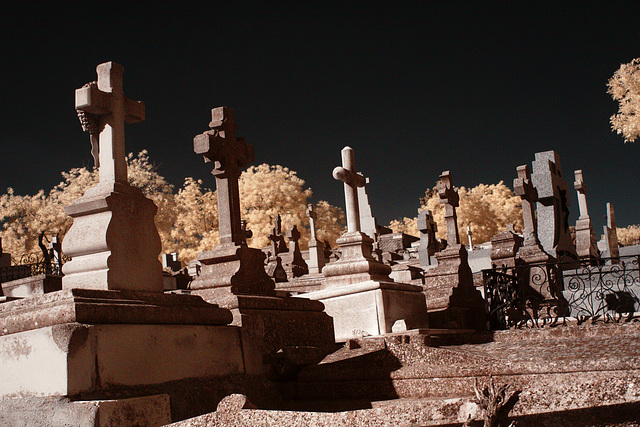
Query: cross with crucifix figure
point(229, 154)
point(352, 180)
point(450, 199)
point(106, 110)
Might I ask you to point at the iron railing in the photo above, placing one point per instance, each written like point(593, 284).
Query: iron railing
point(540, 293)
point(31, 265)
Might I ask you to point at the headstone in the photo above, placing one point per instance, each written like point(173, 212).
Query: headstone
point(274, 265)
point(586, 242)
point(553, 207)
point(531, 250)
point(611, 235)
point(294, 264)
point(358, 292)
point(113, 242)
point(233, 275)
point(452, 298)
point(316, 248)
point(231, 265)
point(428, 243)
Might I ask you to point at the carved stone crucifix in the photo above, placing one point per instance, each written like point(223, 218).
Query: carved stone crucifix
point(352, 180)
point(229, 154)
point(449, 197)
point(106, 100)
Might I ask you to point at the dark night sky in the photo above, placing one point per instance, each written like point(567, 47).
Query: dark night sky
point(414, 87)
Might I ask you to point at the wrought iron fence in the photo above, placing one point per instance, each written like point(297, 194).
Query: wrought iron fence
point(32, 265)
point(542, 292)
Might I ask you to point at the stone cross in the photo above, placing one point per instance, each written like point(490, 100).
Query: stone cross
point(611, 234)
point(246, 233)
point(352, 180)
point(276, 237)
point(581, 187)
point(311, 213)
point(523, 187)
point(427, 227)
point(470, 236)
point(229, 154)
point(449, 197)
point(106, 100)
point(294, 236)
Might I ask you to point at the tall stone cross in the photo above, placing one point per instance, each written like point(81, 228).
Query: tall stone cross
point(581, 188)
point(523, 187)
point(449, 197)
point(229, 155)
point(106, 102)
point(276, 237)
point(427, 227)
point(352, 180)
point(311, 213)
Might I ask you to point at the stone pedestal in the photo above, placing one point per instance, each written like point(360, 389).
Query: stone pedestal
point(90, 341)
point(237, 267)
point(504, 248)
point(452, 299)
point(361, 297)
point(586, 242)
point(113, 242)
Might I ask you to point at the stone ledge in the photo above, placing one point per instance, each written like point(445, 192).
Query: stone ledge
point(108, 307)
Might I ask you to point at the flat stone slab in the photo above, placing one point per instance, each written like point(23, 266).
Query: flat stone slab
point(32, 286)
point(108, 307)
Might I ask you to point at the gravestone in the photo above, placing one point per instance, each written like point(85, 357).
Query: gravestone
point(358, 291)
point(452, 298)
point(531, 251)
point(586, 242)
point(428, 243)
point(316, 248)
point(113, 242)
point(289, 330)
point(112, 327)
point(274, 266)
point(294, 264)
point(552, 207)
point(231, 266)
point(611, 235)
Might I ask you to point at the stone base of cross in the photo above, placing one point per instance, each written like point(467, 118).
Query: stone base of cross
point(236, 267)
point(113, 242)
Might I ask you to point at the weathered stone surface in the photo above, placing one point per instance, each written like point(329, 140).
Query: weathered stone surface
point(32, 286)
point(57, 411)
point(611, 234)
point(552, 207)
point(80, 358)
point(235, 402)
point(108, 307)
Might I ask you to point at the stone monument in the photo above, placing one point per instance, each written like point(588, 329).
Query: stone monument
point(274, 266)
point(553, 208)
point(530, 251)
point(452, 298)
point(233, 274)
point(586, 242)
point(358, 291)
point(611, 235)
point(294, 264)
point(428, 243)
point(113, 242)
point(112, 331)
point(316, 248)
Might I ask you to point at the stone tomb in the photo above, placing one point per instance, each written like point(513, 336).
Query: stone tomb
point(358, 292)
point(111, 331)
point(452, 298)
point(233, 274)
